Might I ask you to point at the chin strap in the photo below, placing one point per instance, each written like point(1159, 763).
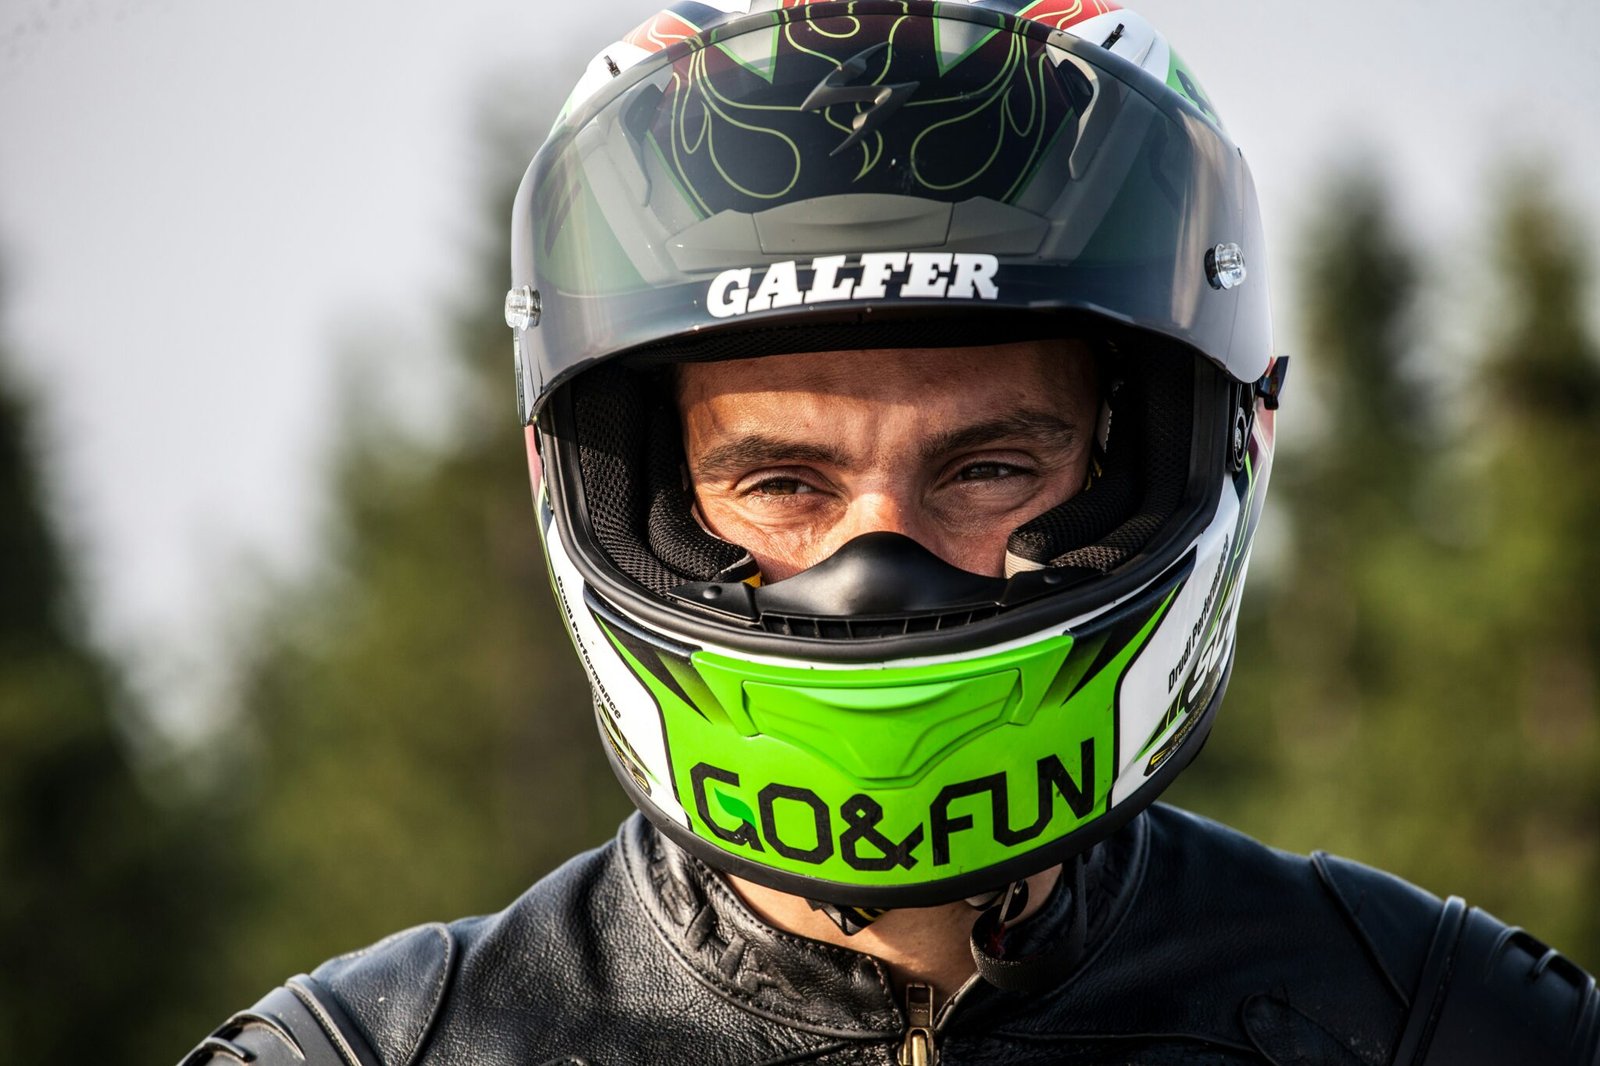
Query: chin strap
point(1040, 970)
point(850, 920)
point(1027, 974)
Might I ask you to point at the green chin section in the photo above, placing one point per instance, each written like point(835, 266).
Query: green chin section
point(893, 776)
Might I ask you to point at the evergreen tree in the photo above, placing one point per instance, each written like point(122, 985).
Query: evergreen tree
point(1320, 642)
point(102, 888)
point(423, 736)
point(1536, 587)
point(1409, 693)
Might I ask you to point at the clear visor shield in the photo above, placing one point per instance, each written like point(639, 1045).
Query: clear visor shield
point(832, 162)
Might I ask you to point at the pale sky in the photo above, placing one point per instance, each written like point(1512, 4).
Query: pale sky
point(205, 207)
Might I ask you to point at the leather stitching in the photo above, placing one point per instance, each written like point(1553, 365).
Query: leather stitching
point(440, 983)
point(329, 1026)
point(1321, 862)
point(437, 998)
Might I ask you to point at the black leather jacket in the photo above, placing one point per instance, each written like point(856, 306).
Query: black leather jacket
point(1203, 947)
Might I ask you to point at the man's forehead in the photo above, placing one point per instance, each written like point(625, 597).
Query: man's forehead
point(727, 449)
point(838, 408)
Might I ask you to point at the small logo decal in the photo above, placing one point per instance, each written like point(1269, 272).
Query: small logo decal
point(870, 276)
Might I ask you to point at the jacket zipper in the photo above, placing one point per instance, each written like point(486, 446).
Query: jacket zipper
point(918, 1049)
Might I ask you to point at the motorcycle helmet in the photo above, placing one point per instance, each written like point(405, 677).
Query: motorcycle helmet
point(743, 179)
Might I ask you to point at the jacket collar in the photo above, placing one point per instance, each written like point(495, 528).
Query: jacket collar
point(820, 987)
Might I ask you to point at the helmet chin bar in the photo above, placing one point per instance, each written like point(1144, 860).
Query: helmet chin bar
point(877, 584)
point(951, 889)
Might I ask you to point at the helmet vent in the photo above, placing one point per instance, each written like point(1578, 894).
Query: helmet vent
point(880, 584)
point(869, 628)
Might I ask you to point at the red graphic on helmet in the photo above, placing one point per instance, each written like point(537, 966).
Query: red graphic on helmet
point(662, 29)
point(1059, 14)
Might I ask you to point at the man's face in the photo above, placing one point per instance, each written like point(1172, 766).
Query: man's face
point(792, 456)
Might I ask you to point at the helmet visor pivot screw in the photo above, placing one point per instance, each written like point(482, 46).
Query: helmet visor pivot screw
point(522, 308)
point(1225, 266)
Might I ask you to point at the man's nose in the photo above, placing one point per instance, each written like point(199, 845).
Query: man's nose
point(885, 512)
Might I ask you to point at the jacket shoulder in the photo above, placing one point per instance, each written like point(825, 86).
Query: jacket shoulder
point(1397, 970)
point(1492, 993)
point(394, 989)
point(414, 994)
point(296, 1024)
point(1480, 991)
point(372, 1007)
point(1297, 900)
point(384, 1004)
point(1392, 919)
point(1291, 952)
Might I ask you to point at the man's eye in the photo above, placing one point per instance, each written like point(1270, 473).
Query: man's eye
point(988, 471)
point(779, 486)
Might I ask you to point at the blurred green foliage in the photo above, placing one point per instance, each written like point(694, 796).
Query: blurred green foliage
point(1417, 681)
point(1416, 684)
point(108, 895)
point(423, 739)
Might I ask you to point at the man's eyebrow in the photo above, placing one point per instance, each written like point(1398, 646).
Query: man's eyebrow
point(1037, 427)
point(757, 449)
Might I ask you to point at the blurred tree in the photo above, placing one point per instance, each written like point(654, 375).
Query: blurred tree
point(1536, 587)
point(422, 736)
point(1417, 686)
point(102, 886)
point(1318, 642)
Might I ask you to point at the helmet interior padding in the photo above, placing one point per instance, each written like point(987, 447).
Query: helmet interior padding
point(1143, 478)
point(645, 525)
